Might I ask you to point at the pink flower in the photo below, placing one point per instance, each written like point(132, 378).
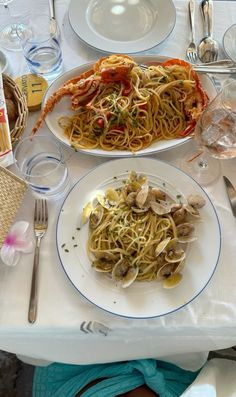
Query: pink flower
point(16, 241)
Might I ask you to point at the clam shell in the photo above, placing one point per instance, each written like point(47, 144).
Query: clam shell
point(175, 207)
point(184, 233)
point(172, 281)
point(139, 210)
point(172, 244)
point(102, 266)
point(158, 194)
point(179, 215)
point(160, 208)
point(184, 229)
point(192, 211)
point(96, 216)
point(130, 199)
point(112, 196)
point(187, 239)
point(102, 200)
point(196, 201)
point(161, 246)
point(142, 196)
point(106, 255)
point(166, 270)
point(86, 212)
point(180, 266)
point(175, 255)
point(124, 273)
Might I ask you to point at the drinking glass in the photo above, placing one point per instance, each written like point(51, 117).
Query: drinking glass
point(40, 161)
point(215, 133)
point(17, 17)
point(41, 46)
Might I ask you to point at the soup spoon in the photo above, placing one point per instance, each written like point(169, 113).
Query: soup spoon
point(208, 48)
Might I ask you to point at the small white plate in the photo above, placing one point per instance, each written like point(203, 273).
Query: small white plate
point(141, 299)
point(229, 42)
point(63, 109)
point(122, 26)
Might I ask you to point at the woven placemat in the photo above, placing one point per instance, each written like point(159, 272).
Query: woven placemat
point(12, 191)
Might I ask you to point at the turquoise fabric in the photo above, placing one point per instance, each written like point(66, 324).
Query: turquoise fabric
point(64, 380)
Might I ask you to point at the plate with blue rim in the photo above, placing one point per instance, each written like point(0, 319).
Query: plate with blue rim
point(123, 26)
point(141, 299)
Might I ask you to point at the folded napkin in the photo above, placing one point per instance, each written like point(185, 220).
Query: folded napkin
point(60, 380)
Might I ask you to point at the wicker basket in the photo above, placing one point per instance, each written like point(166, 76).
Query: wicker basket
point(22, 109)
point(12, 192)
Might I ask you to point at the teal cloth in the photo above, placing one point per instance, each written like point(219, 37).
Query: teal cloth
point(64, 380)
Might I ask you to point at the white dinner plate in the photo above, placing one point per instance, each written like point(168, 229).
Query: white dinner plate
point(63, 108)
point(123, 26)
point(141, 299)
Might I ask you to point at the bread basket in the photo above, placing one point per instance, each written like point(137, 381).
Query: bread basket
point(22, 109)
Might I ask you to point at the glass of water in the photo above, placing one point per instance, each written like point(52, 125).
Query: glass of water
point(41, 46)
point(215, 134)
point(41, 163)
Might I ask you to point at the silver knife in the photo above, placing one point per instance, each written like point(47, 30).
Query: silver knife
point(53, 24)
point(231, 194)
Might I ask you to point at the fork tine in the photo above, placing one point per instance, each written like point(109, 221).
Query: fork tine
point(35, 210)
point(195, 57)
point(39, 211)
point(42, 211)
point(46, 210)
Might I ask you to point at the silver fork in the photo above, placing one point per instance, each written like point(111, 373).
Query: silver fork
point(191, 52)
point(40, 227)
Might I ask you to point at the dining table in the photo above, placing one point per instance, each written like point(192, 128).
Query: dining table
point(69, 328)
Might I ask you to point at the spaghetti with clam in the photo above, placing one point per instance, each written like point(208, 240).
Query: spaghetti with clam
point(137, 233)
point(121, 106)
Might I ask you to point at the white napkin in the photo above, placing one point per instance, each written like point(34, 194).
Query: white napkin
point(216, 379)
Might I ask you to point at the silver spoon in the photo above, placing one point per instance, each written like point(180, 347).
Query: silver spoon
point(208, 48)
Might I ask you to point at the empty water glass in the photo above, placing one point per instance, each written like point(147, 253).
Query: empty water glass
point(41, 46)
point(13, 17)
point(41, 163)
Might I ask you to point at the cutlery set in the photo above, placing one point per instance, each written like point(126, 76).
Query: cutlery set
point(208, 48)
point(224, 66)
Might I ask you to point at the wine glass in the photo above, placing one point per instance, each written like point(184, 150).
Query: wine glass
point(9, 38)
point(215, 135)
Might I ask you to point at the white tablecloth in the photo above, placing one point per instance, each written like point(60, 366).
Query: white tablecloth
point(208, 323)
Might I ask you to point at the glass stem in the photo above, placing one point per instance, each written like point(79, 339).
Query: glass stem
point(202, 163)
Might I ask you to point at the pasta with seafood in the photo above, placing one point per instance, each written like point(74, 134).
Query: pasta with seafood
point(138, 233)
point(119, 105)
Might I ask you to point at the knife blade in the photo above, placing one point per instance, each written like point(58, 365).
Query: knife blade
point(231, 192)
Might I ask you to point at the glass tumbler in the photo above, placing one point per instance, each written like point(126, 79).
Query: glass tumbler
point(41, 163)
point(41, 46)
